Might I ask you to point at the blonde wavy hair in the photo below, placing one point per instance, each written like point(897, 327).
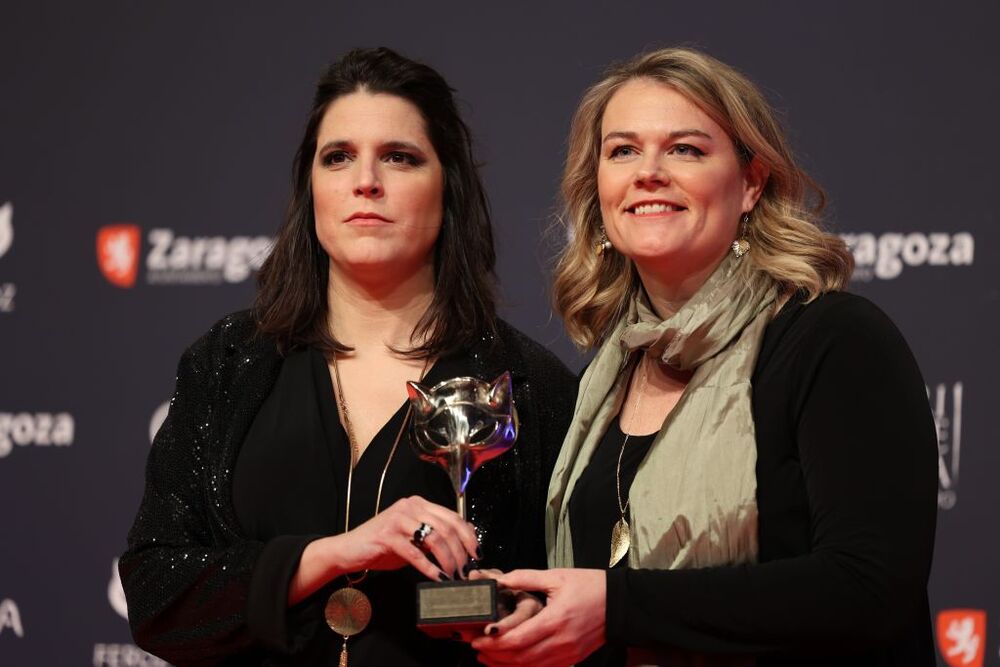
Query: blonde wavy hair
point(591, 291)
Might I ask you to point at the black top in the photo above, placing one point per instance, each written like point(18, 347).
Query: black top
point(200, 584)
point(291, 477)
point(593, 508)
point(846, 492)
point(593, 511)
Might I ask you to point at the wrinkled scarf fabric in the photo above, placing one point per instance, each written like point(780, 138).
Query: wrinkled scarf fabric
point(693, 501)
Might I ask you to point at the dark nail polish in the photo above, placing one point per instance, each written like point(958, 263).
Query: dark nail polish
point(469, 567)
point(443, 577)
point(457, 575)
point(492, 631)
point(479, 553)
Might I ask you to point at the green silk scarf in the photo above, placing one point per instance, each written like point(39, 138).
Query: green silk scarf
point(693, 501)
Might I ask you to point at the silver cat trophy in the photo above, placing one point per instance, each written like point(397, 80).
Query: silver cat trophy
point(459, 425)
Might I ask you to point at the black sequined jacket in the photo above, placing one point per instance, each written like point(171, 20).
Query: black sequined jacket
point(188, 568)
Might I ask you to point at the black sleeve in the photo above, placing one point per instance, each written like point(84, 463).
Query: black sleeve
point(197, 592)
point(867, 447)
point(269, 618)
point(557, 397)
point(547, 402)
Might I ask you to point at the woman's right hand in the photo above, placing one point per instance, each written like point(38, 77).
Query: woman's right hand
point(386, 542)
point(570, 627)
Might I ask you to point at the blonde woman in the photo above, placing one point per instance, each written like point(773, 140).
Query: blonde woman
point(750, 473)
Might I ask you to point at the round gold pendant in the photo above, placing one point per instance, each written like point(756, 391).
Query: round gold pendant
point(348, 611)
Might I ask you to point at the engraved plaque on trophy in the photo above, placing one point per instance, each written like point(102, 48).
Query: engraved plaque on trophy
point(460, 424)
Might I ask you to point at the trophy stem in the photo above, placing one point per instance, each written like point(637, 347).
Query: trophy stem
point(457, 473)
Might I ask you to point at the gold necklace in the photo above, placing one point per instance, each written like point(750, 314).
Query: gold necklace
point(348, 610)
point(621, 534)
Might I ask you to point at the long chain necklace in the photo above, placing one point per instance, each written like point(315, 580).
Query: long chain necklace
point(621, 534)
point(348, 610)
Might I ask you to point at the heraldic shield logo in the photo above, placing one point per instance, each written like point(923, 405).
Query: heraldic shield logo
point(118, 253)
point(961, 636)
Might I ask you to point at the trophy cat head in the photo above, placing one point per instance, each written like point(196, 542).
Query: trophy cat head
point(463, 422)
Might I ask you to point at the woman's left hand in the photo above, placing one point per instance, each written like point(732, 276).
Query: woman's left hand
point(568, 629)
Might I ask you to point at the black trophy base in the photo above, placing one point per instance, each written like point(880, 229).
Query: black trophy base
point(445, 609)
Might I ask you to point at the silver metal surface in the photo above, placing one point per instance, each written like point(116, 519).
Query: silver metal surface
point(462, 423)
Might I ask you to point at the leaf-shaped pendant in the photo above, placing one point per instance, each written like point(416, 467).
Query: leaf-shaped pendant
point(621, 539)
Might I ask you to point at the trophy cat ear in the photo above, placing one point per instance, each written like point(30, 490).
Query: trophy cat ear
point(420, 398)
point(501, 391)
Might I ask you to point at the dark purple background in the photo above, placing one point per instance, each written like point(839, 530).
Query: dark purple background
point(185, 116)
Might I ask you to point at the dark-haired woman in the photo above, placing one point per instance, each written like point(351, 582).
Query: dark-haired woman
point(283, 473)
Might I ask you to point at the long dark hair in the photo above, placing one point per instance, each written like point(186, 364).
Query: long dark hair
point(291, 303)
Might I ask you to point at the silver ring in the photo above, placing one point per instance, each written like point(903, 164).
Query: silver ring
point(421, 533)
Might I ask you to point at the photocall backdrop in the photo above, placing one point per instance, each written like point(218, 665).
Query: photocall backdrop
point(145, 153)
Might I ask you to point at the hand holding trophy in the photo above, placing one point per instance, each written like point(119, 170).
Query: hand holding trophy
point(460, 424)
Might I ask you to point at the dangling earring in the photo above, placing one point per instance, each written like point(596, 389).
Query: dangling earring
point(603, 245)
point(742, 246)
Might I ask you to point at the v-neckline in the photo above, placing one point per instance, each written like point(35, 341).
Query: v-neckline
point(331, 416)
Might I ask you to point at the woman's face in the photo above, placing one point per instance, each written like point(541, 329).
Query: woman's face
point(671, 187)
point(377, 185)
